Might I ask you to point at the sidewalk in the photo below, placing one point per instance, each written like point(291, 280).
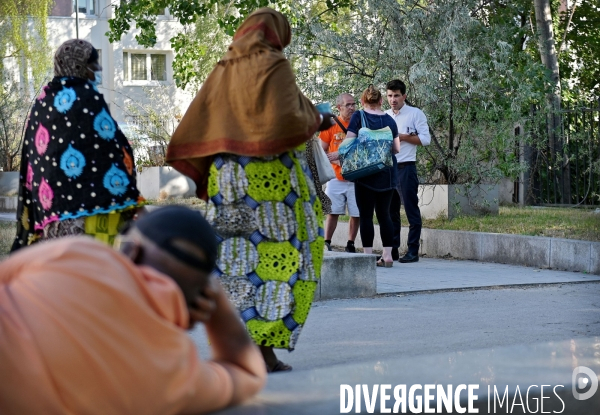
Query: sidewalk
point(533, 331)
point(431, 274)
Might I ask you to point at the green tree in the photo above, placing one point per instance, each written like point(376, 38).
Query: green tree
point(207, 27)
point(23, 37)
point(150, 124)
point(462, 70)
point(13, 121)
point(579, 51)
point(23, 48)
point(198, 47)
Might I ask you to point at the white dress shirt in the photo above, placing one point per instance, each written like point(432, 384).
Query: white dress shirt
point(410, 120)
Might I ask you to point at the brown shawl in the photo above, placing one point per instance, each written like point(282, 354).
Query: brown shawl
point(249, 105)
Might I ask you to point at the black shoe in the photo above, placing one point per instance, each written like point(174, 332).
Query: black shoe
point(409, 258)
point(328, 245)
point(350, 247)
point(395, 254)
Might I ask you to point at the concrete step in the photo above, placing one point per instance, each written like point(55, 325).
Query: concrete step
point(345, 275)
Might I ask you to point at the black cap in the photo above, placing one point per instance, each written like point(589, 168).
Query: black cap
point(164, 224)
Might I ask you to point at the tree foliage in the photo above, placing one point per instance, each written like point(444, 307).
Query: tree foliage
point(13, 121)
point(23, 36)
point(23, 47)
point(198, 47)
point(473, 66)
point(463, 71)
point(579, 27)
point(207, 28)
point(151, 124)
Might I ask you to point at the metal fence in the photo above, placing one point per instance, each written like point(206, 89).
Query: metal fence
point(564, 160)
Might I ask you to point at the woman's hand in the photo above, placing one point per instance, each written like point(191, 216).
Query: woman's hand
point(333, 156)
point(326, 123)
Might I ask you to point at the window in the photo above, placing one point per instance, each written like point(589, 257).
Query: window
point(138, 67)
point(144, 66)
point(158, 67)
point(126, 66)
point(85, 6)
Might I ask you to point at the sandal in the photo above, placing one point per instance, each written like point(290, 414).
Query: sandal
point(279, 367)
point(382, 263)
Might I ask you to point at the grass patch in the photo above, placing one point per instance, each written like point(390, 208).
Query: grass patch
point(569, 223)
point(191, 202)
point(8, 230)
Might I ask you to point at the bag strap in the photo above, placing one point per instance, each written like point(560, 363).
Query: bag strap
point(363, 119)
point(340, 124)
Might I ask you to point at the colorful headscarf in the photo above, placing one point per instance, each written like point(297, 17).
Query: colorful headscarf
point(249, 105)
point(71, 58)
point(76, 162)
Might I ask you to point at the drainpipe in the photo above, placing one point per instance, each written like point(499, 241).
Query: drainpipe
point(77, 19)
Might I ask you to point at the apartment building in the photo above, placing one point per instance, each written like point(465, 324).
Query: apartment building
point(132, 74)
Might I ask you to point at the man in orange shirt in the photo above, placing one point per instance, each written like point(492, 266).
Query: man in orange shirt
point(85, 329)
point(340, 191)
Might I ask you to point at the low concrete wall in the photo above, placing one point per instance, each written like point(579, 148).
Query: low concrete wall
point(450, 201)
point(164, 182)
point(152, 182)
point(529, 251)
point(345, 275)
point(506, 192)
point(8, 203)
point(433, 201)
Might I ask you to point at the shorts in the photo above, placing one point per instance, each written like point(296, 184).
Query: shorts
point(341, 194)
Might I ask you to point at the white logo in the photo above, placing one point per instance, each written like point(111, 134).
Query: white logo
point(582, 378)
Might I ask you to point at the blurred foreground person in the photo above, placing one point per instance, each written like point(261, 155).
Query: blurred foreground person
point(242, 142)
point(85, 329)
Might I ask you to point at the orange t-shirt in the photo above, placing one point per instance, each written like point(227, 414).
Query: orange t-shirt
point(334, 137)
point(83, 330)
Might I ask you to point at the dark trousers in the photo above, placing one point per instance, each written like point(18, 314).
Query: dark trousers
point(408, 187)
point(368, 201)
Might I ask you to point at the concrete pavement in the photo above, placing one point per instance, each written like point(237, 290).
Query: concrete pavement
point(431, 274)
point(528, 335)
point(410, 323)
point(444, 322)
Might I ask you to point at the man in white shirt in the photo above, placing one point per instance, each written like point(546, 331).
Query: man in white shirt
point(413, 131)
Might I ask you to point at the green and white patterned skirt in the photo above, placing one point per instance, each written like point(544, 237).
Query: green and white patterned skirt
point(270, 229)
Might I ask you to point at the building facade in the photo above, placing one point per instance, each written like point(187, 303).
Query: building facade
point(134, 77)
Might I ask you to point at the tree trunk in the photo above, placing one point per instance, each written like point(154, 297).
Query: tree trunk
point(547, 47)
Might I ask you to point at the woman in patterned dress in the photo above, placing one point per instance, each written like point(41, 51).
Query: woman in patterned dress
point(242, 141)
point(77, 170)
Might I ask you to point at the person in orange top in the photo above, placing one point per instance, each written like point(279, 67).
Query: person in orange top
point(85, 329)
point(340, 191)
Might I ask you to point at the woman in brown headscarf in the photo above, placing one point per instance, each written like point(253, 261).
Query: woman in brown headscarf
point(242, 142)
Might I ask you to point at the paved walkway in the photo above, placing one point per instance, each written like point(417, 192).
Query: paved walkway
point(431, 274)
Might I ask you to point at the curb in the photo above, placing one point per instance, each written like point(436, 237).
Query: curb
point(485, 288)
point(530, 251)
